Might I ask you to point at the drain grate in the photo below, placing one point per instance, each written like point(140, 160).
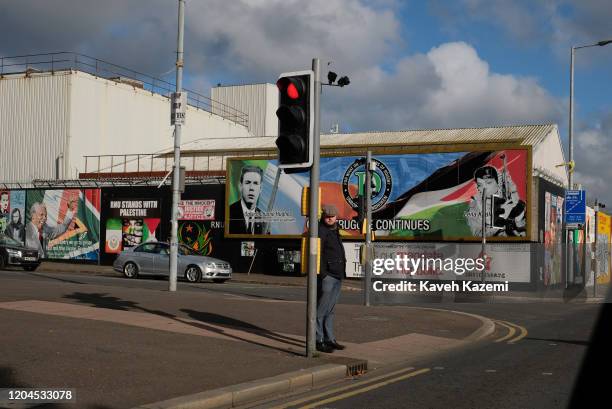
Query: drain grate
point(356, 368)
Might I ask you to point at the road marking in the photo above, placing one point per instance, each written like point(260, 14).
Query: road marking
point(522, 335)
point(553, 345)
point(511, 332)
point(546, 373)
point(438, 368)
point(491, 370)
point(512, 329)
point(342, 388)
point(366, 389)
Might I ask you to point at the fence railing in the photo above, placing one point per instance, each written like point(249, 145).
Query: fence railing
point(59, 61)
point(143, 164)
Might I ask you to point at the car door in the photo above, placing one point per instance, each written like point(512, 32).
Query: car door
point(145, 257)
point(162, 259)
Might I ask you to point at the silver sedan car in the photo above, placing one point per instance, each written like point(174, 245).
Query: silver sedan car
point(154, 258)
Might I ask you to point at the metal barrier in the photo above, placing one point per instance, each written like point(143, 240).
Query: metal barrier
point(62, 61)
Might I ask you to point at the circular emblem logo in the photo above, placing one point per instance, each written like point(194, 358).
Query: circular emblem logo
point(381, 183)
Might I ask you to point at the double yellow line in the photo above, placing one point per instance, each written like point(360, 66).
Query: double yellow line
point(358, 388)
point(510, 337)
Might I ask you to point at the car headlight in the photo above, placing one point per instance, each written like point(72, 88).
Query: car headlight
point(211, 265)
point(12, 252)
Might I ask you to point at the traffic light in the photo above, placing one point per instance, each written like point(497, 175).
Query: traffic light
point(295, 119)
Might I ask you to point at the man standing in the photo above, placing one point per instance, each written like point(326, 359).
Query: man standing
point(244, 215)
point(38, 232)
point(329, 280)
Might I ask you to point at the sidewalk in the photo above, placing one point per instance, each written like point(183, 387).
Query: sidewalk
point(126, 347)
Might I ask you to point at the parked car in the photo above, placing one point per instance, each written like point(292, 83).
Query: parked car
point(154, 258)
point(13, 253)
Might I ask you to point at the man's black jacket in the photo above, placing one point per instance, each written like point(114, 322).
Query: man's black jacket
point(333, 259)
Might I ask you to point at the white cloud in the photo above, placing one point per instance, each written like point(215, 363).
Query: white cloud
point(592, 152)
point(450, 86)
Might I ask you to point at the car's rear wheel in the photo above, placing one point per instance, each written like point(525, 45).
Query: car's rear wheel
point(220, 280)
point(30, 268)
point(130, 270)
point(193, 274)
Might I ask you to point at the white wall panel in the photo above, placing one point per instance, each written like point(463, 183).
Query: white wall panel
point(34, 115)
point(113, 118)
point(259, 101)
point(548, 154)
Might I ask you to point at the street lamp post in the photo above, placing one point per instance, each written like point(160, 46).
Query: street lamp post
point(571, 106)
point(570, 163)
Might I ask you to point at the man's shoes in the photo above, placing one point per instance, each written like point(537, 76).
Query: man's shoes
point(335, 345)
point(324, 347)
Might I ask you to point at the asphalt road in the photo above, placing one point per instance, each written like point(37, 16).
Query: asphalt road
point(531, 361)
point(533, 364)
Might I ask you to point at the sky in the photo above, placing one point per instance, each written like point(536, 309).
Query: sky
point(412, 64)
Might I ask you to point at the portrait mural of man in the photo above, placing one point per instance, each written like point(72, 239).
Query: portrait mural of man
point(245, 217)
point(5, 203)
point(16, 229)
point(39, 232)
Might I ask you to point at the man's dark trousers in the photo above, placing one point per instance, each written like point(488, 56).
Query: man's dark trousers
point(329, 292)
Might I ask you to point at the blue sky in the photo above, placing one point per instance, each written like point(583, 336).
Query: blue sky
point(413, 64)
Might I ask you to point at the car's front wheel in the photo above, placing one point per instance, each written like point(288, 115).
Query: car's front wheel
point(2, 262)
point(130, 270)
point(193, 274)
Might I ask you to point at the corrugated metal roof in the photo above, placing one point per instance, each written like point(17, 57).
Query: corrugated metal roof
point(528, 135)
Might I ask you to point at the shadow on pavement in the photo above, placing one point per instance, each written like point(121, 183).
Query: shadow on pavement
point(103, 300)
point(7, 379)
point(562, 341)
point(64, 280)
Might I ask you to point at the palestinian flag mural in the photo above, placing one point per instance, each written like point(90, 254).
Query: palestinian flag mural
point(63, 223)
point(427, 196)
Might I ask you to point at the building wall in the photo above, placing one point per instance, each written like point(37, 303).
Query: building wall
point(34, 120)
point(73, 114)
point(548, 154)
point(112, 118)
point(259, 101)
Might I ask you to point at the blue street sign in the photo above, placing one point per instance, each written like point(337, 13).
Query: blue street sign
point(575, 207)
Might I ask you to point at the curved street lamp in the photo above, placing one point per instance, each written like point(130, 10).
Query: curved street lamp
point(570, 163)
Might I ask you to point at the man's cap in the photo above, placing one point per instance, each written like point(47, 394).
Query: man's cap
point(486, 172)
point(329, 210)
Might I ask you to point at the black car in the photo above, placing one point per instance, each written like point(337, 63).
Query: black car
point(13, 253)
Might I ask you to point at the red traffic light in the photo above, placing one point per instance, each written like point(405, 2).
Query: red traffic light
point(291, 87)
point(292, 92)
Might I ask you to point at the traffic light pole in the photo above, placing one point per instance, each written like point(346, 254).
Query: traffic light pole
point(176, 194)
point(313, 230)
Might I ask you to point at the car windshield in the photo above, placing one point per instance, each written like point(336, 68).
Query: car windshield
point(6, 240)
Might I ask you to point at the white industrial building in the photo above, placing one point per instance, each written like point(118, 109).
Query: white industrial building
point(50, 120)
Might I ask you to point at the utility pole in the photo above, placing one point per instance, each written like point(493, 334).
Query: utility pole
point(313, 218)
point(176, 194)
point(368, 221)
